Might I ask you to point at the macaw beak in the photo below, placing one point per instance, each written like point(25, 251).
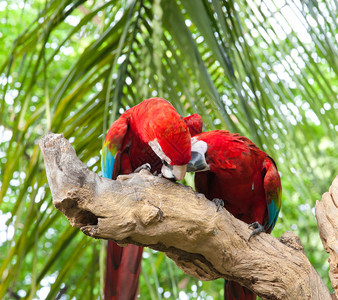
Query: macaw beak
point(197, 162)
point(174, 172)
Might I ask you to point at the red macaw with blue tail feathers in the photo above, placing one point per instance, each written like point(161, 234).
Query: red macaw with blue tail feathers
point(233, 169)
point(151, 132)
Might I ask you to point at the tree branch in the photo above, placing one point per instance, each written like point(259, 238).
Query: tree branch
point(327, 219)
point(150, 211)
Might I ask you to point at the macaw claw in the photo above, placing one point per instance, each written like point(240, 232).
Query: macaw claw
point(219, 203)
point(257, 228)
point(143, 167)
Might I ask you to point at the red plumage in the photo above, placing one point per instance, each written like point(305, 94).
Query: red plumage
point(123, 268)
point(245, 178)
point(194, 123)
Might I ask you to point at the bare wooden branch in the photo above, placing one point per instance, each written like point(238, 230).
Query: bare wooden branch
point(146, 210)
point(327, 219)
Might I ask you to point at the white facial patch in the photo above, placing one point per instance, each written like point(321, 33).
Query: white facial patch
point(167, 172)
point(198, 146)
point(198, 162)
point(158, 150)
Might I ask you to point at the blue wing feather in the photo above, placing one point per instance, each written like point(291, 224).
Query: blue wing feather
point(112, 147)
point(273, 214)
point(273, 192)
point(107, 163)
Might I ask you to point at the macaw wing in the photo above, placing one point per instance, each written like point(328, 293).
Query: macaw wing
point(273, 192)
point(112, 148)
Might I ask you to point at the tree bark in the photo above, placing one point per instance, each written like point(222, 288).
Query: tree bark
point(327, 219)
point(154, 212)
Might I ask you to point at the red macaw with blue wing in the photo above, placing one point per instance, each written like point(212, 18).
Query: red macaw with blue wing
point(151, 132)
point(232, 168)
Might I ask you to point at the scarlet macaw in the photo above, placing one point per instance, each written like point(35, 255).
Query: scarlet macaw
point(151, 132)
point(232, 168)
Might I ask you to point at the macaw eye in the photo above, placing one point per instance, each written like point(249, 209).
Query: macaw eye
point(165, 163)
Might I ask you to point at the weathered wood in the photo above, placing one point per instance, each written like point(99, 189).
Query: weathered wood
point(146, 210)
point(327, 219)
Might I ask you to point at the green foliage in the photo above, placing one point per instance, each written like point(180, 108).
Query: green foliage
point(265, 69)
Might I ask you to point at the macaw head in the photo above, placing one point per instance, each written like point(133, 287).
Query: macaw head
point(194, 123)
point(172, 145)
point(198, 162)
point(169, 135)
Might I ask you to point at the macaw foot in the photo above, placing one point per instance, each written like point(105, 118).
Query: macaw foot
point(143, 167)
point(257, 228)
point(219, 203)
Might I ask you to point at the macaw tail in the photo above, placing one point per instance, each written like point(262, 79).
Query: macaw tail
point(123, 268)
point(234, 291)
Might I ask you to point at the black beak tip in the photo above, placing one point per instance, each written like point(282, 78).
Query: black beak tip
point(190, 167)
point(196, 163)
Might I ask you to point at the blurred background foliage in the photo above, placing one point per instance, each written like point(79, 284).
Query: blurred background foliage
point(266, 69)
